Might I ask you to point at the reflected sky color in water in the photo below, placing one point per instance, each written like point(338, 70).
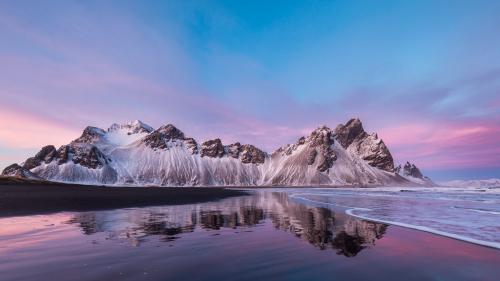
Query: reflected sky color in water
point(470, 214)
point(266, 235)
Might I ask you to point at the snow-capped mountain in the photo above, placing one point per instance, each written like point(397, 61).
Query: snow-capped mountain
point(136, 154)
point(412, 173)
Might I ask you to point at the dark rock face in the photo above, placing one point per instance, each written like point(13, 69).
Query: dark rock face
point(15, 170)
point(158, 139)
point(212, 148)
point(311, 157)
point(321, 137)
point(80, 153)
point(170, 132)
point(45, 155)
point(368, 146)
point(191, 145)
point(90, 135)
point(321, 141)
point(234, 150)
point(12, 170)
point(88, 156)
point(85, 155)
point(327, 157)
point(63, 154)
point(346, 134)
point(251, 154)
point(375, 152)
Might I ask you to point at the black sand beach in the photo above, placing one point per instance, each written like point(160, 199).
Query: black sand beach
point(25, 197)
point(264, 236)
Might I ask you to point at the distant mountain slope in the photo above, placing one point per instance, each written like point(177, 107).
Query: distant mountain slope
point(136, 154)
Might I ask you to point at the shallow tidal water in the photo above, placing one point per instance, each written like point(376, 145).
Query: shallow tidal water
point(292, 234)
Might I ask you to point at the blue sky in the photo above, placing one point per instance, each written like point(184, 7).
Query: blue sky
point(425, 75)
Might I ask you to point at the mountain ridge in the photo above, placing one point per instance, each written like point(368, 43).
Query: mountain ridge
point(137, 154)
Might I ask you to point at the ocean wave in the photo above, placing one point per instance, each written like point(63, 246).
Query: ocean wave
point(478, 210)
point(351, 210)
point(423, 228)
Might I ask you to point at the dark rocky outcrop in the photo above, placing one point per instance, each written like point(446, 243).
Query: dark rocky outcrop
point(311, 157)
point(320, 148)
point(191, 145)
point(18, 171)
point(212, 148)
point(63, 154)
point(88, 156)
point(411, 170)
point(326, 158)
point(348, 133)
point(83, 154)
point(170, 132)
point(90, 135)
point(159, 138)
point(45, 155)
point(234, 150)
point(251, 154)
point(368, 146)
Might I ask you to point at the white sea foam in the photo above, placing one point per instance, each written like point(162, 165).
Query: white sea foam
point(454, 213)
point(423, 228)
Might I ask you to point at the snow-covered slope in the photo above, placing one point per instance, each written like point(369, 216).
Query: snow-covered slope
point(136, 154)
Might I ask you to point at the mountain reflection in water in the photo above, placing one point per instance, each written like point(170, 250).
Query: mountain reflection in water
point(321, 227)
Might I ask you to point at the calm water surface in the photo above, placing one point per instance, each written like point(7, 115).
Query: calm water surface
point(268, 235)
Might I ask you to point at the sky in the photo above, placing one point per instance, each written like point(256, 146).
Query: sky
point(424, 75)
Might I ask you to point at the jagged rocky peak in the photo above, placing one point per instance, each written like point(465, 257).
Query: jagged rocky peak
point(251, 154)
point(346, 134)
point(160, 138)
point(368, 146)
point(234, 150)
point(133, 127)
point(45, 155)
point(90, 135)
point(170, 132)
point(247, 153)
point(410, 170)
point(320, 148)
point(321, 136)
point(15, 170)
point(86, 155)
point(316, 149)
point(375, 152)
point(212, 148)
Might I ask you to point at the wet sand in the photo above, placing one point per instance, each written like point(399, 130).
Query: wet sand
point(26, 197)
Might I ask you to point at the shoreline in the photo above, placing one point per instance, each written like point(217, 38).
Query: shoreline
point(19, 197)
point(350, 211)
point(487, 244)
point(22, 197)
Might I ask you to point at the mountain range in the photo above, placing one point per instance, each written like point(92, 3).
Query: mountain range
point(137, 154)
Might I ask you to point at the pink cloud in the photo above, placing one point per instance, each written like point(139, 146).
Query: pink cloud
point(25, 130)
point(445, 144)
